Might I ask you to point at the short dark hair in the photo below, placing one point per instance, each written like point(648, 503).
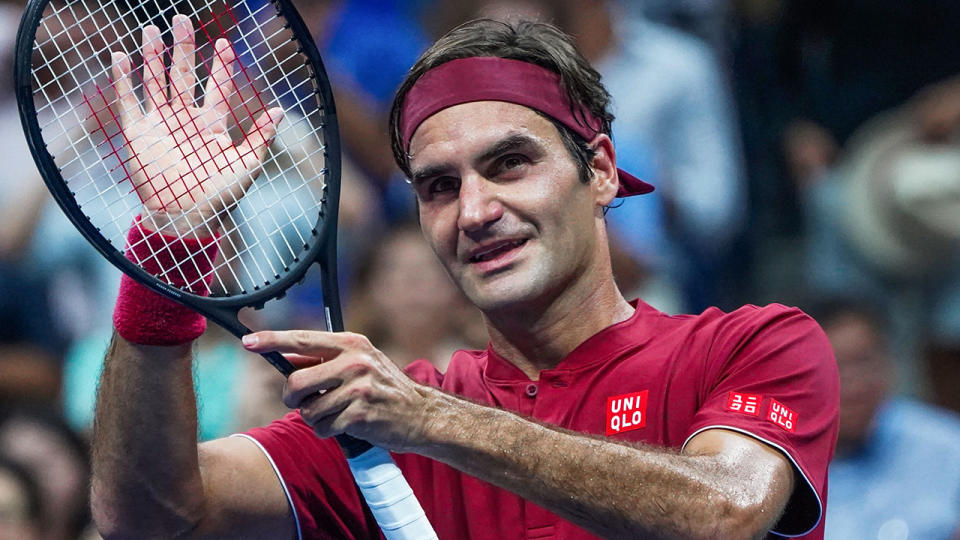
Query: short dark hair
point(537, 43)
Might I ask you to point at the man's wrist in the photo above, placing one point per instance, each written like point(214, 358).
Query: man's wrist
point(190, 224)
point(150, 354)
point(453, 425)
point(147, 318)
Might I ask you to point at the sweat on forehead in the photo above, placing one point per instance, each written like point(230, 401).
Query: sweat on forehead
point(485, 78)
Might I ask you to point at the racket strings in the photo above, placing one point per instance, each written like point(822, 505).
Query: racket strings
point(267, 230)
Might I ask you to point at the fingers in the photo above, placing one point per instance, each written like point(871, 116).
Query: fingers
point(327, 413)
point(307, 383)
point(154, 74)
point(254, 146)
point(314, 343)
point(129, 106)
point(182, 76)
point(362, 403)
point(220, 86)
point(301, 361)
point(253, 149)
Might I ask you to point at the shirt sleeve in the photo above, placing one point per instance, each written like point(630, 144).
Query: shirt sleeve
point(774, 378)
point(323, 497)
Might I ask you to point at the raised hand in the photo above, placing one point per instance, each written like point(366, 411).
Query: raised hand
point(182, 161)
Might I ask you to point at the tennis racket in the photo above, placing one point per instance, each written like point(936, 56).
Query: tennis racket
point(207, 118)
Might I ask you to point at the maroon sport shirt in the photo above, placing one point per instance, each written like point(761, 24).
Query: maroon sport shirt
point(657, 379)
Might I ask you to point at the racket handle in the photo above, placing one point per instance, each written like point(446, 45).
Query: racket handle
point(389, 496)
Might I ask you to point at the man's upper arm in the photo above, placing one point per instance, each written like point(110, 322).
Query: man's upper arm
point(762, 470)
point(773, 378)
point(244, 496)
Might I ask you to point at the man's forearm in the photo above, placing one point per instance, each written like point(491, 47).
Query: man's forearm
point(613, 490)
point(146, 477)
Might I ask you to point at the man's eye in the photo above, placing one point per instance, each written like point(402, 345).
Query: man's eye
point(443, 185)
point(513, 161)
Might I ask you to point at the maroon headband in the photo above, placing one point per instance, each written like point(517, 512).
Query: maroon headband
point(483, 78)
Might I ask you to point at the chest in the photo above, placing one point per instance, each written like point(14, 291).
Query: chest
point(638, 398)
point(633, 399)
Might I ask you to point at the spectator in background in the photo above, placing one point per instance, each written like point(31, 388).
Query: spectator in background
point(676, 119)
point(32, 334)
point(20, 502)
point(896, 473)
point(884, 222)
point(367, 48)
point(56, 457)
point(709, 20)
point(54, 287)
point(844, 62)
point(406, 304)
point(808, 74)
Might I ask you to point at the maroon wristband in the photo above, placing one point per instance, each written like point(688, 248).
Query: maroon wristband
point(144, 317)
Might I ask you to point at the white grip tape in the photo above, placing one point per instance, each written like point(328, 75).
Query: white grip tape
point(389, 497)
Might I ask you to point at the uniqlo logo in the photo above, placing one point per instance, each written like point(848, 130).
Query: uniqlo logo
point(626, 412)
point(744, 403)
point(780, 415)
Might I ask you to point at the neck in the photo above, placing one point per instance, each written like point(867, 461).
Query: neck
point(539, 337)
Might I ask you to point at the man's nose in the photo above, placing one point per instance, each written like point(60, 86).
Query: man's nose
point(480, 203)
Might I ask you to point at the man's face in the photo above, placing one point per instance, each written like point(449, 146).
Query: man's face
point(501, 204)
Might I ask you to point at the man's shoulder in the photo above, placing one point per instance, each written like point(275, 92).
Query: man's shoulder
point(749, 317)
point(775, 333)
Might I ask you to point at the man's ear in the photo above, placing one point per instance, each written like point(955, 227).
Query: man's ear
point(605, 181)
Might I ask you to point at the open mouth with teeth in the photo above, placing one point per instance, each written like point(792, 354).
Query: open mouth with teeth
point(496, 251)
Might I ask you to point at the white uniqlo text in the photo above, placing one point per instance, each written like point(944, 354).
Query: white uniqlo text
point(780, 415)
point(744, 403)
point(626, 412)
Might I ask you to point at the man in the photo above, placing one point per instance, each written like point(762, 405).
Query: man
point(587, 415)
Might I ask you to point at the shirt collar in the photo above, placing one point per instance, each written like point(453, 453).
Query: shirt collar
point(630, 334)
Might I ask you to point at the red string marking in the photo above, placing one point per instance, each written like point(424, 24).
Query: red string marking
point(100, 127)
point(106, 136)
point(203, 27)
point(107, 139)
point(167, 51)
point(221, 148)
point(172, 131)
point(243, 69)
point(194, 151)
point(209, 64)
point(143, 83)
point(95, 114)
point(193, 122)
point(226, 98)
point(168, 185)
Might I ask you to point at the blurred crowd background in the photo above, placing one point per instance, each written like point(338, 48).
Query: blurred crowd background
point(805, 152)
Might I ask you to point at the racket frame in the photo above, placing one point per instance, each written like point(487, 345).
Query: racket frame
point(222, 310)
point(387, 493)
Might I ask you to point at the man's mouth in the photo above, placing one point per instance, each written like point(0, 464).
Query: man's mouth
point(494, 250)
